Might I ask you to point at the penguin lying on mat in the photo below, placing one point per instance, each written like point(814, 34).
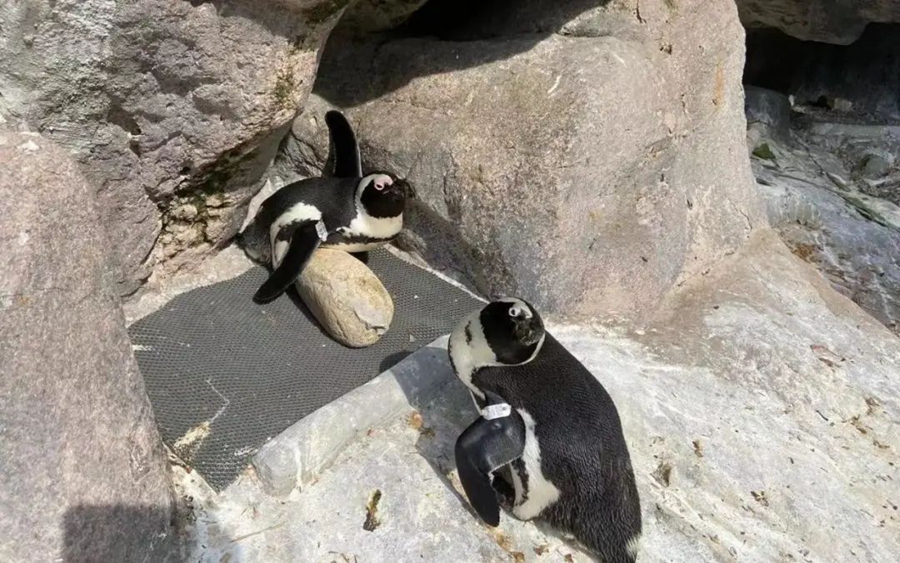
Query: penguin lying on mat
point(348, 211)
point(549, 441)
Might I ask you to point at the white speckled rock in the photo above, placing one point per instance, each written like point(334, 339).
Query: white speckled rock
point(346, 297)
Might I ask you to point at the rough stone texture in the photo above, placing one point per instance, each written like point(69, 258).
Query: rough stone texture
point(378, 15)
point(826, 215)
point(825, 21)
point(761, 409)
point(769, 109)
point(346, 297)
point(82, 469)
point(533, 175)
point(165, 103)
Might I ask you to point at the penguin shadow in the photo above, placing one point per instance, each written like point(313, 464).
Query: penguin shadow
point(439, 419)
point(292, 294)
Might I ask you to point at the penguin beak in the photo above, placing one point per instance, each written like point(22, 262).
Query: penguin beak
point(529, 330)
point(400, 188)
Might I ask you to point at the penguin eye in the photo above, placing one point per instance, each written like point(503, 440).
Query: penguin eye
point(514, 311)
point(379, 186)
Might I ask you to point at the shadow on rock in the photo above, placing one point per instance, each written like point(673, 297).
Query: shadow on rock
point(511, 27)
point(120, 532)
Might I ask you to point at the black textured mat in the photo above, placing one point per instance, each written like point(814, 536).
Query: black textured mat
point(225, 375)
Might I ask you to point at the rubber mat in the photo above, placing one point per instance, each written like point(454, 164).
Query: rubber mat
point(225, 375)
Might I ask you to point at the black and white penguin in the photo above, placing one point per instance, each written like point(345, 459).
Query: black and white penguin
point(348, 211)
point(549, 442)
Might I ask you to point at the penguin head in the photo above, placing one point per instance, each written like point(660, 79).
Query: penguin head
point(513, 330)
point(383, 195)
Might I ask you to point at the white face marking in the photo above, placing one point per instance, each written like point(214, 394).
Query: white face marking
point(366, 225)
point(297, 212)
point(541, 492)
point(469, 356)
point(519, 307)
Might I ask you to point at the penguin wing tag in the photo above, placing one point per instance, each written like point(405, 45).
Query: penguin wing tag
point(493, 412)
point(304, 241)
point(321, 231)
point(481, 449)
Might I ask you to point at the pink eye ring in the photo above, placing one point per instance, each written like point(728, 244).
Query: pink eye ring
point(379, 186)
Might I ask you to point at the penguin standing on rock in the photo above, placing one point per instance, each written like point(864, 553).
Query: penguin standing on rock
point(348, 211)
point(549, 442)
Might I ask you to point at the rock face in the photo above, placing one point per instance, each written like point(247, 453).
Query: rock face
point(560, 153)
point(170, 106)
point(83, 473)
point(826, 21)
point(825, 206)
point(346, 297)
point(761, 412)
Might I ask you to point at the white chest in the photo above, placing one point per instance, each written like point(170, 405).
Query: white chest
point(468, 351)
point(538, 493)
point(373, 227)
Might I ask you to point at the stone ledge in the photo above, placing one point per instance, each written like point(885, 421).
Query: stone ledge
point(295, 457)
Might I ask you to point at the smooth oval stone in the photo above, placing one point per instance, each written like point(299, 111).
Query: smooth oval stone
point(346, 297)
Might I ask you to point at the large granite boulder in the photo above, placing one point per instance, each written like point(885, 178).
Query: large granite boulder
point(826, 21)
point(588, 158)
point(173, 108)
point(82, 469)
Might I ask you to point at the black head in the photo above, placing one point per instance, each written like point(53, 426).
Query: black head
point(383, 195)
point(513, 330)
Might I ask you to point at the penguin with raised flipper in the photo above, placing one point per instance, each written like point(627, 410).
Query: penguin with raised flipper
point(548, 426)
point(348, 211)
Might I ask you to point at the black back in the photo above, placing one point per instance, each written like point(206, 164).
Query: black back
point(583, 449)
point(334, 197)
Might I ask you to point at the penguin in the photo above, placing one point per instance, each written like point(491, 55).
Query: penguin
point(548, 444)
point(347, 211)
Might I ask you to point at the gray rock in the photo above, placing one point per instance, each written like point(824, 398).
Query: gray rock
point(346, 297)
point(760, 409)
point(163, 103)
point(83, 474)
point(850, 236)
point(768, 108)
point(876, 165)
point(533, 174)
point(378, 15)
point(825, 21)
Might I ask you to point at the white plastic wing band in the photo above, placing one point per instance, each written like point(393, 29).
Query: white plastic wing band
point(321, 231)
point(492, 412)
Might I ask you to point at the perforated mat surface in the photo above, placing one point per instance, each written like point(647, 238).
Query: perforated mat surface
point(225, 375)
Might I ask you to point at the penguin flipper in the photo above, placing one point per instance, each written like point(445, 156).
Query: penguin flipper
point(482, 448)
point(347, 163)
point(304, 241)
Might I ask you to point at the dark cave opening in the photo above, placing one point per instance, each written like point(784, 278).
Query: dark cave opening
point(861, 80)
